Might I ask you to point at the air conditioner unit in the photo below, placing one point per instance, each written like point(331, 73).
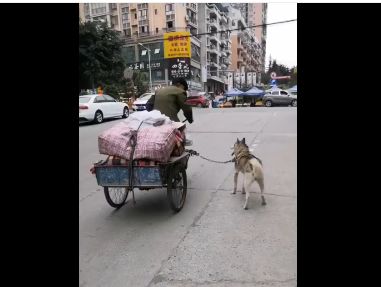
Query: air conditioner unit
point(186, 18)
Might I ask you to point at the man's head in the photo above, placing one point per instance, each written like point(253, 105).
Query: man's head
point(180, 83)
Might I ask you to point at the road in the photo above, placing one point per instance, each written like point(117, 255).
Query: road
point(212, 241)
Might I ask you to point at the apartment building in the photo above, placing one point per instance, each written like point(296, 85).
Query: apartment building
point(247, 51)
point(256, 14)
point(215, 46)
point(146, 23)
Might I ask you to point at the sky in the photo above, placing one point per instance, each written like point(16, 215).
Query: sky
point(282, 38)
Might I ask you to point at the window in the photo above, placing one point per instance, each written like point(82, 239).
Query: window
point(127, 31)
point(136, 16)
point(169, 7)
point(98, 8)
point(170, 24)
point(108, 98)
point(143, 13)
point(142, 29)
point(155, 11)
point(125, 17)
point(99, 99)
point(84, 100)
point(157, 30)
point(143, 22)
point(170, 17)
point(283, 93)
point(143, 6)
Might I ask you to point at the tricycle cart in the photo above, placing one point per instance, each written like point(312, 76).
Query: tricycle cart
point(117, 182)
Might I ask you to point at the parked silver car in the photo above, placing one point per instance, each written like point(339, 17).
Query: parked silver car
point(279, 97)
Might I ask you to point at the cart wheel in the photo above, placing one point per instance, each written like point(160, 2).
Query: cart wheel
point(177, 188)
point(116, 196)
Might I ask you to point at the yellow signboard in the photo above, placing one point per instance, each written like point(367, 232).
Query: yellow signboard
point(177, 45)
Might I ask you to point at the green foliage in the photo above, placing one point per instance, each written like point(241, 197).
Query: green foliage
point(100, 60)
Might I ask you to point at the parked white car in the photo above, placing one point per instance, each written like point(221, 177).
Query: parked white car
point(140, 103)
point(98, 107)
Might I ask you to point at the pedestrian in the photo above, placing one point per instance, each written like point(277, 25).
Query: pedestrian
point(170, 100)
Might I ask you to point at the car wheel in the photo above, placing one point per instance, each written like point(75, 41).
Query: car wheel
point(293, 103)
point(268, 103)
point(98, 118)
point(126, 112)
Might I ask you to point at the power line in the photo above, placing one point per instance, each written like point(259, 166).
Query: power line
point(236, 29)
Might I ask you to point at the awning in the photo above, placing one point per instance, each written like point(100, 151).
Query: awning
point(233, 92)
point(254, 91)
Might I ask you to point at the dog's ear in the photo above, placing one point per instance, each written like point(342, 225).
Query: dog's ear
point(243, 141)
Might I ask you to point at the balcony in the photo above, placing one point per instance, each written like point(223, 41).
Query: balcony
point(214, 38)
point(211, 47)
point(214, 51)
point(214, 77)
point(228, 51)
point(227, 61)
point(223, 53)
point(189, 6)
point(213, 64)
point(239, 47)
point(214, 23)
point(224, 19)
point(212, 9)
point(240, 60)
point(192, 23)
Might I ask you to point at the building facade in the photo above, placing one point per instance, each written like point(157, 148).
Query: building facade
point(146, 24)
point(215, 45)
point(248, 52)
point(218, 55)
point(256, 14)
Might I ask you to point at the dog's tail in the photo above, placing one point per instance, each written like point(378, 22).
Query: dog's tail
point(258, 159)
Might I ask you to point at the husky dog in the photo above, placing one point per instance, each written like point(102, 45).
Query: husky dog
point(250, 166)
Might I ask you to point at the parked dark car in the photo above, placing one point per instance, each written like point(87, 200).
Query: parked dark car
point(279, 97)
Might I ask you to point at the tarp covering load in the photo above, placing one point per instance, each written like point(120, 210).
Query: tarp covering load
point(157, 137)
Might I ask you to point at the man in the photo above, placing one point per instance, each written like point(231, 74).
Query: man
point(171, 99)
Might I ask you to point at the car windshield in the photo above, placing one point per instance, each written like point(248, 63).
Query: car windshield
point(83, 100)
point(145, 97)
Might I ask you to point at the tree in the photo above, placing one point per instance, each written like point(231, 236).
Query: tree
point(140, 81)
point(294, 77)
point(280, 70)
point(100, 59)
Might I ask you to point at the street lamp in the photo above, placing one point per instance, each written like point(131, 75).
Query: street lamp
point(149, 64)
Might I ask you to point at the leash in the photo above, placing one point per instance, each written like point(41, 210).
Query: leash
point(195, 153)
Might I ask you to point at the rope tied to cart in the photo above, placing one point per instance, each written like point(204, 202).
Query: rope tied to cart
point(133, 141)
point(195, 153)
